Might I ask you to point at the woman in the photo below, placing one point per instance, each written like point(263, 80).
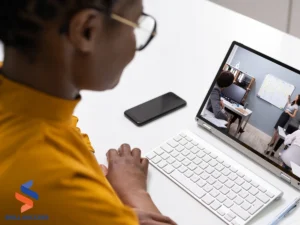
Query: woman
point(53, 50)
point(290, 111)
point(292, 154)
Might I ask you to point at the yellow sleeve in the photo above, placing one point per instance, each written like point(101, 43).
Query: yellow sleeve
point(85, 137)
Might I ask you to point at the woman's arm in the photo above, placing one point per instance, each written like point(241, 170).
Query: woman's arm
point(292, 115)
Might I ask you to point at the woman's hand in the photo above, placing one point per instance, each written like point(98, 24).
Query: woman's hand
point(146, 218)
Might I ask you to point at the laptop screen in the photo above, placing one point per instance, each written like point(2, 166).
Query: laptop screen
point(255, 100)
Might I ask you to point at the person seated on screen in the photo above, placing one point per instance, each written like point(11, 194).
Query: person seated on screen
point(292, 154)
point(215, 104)
point(53, 50)
point(290, 111)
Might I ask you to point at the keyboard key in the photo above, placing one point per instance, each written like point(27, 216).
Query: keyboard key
point(200, 147)
point(177, 138)
point(226, 171)
point(228, 218)
point(254, 184)
point(240, 212)
point(171, 160)
point(192, 166)
point(169, 169)
point(180, 158)
point(191, 156)
point(176, 164)
point(188, 138)
point(262, 189)
point(214, 193)
point(189, 146)
point(238, 200)
point(186, 162)
point(224, 190)
point(211, 180)
point(248, 179)
point(195, 178)
point(228, 203)
point(219, 167)
point(255, 207)
point(270, 194)
point(235, 222)
point(245, 205)
point(221, 198)
point(174, 154)
point(231, 195)
point(243, 193)
point(215, 205)
point(165, 155)
point(239, 181)
point(159, 151)
point(232, 176)
point(209, 169)
point(204, 175)
point(240, 174)
point(198, 171)
point(208, 199)
point(188, 184)
point(173, 143)
point(185, 152)
point(188, 173)
point(201, 154)
point(183, 142)
point(250, 198)
point(167, 148)
point(206, 151)
point(213, 155)
point(195, 143)
point(179, 148)
point(223, 179)
point(183, 135)
point(201, 183)
point(263, 197)
point(233, 169)
point(226, 164)
point(206, 158)
point(229, 184)
point(207, 188)
point(246, 186)
point(213, 162)
point(182, 169)
point(218, 185)
point(231, 214)
point(197, 160)
point(151, 155)
point(221, 212)
point(253, 190)
point(162, 164)
point(216, 174)
point(156, 159)
point(220, 160)
point(195, 150)
point(236, 188)
point(203, 165)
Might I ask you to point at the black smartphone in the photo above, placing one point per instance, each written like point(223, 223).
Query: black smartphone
point(154, 108)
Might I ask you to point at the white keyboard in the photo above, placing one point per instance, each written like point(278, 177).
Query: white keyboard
point(225, 187)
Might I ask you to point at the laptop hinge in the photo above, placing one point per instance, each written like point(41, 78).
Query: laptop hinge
point(285, 177)
point(206, 127)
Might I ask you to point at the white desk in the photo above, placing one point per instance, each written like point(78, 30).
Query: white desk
point(236, 109)
point(193, 37)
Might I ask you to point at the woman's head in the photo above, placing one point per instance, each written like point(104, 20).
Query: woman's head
point(225, 79)
point(297, 100)
point(77, 38)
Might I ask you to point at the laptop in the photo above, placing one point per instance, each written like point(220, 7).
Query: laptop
point(252, 105)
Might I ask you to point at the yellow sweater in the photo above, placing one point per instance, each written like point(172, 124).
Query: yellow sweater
point(48, 174)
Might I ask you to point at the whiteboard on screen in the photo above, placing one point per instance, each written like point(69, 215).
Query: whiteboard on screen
point(275, 91)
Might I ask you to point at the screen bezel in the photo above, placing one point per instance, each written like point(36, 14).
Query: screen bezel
point(240, 146)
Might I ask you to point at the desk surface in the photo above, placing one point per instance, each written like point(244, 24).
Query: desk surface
point(235, 108)
point(281, 132)
point(193, 38)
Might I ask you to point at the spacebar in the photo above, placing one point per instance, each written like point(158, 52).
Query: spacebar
point(191, 186)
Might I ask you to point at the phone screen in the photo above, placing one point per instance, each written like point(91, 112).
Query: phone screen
point(155, 108)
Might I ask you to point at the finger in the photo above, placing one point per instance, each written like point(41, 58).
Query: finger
point(125, 150)
point(162, 218)
point(145, 165)
point(136, 153)
point(111, 154)
point(152, 222)
point(104, 169)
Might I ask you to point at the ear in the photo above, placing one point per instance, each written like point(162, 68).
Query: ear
point(83, 30)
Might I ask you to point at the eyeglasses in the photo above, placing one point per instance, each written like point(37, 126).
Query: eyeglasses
point(144, 29)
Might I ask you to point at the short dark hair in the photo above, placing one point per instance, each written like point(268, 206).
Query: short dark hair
point(297, 102)
point(225, 79)
point(21, 21)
